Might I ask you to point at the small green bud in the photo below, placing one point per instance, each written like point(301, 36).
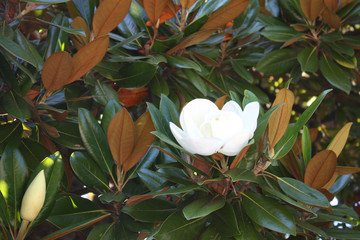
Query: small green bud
point(34, 198)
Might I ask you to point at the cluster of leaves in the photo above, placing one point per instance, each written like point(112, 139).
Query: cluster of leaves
point(74, 75)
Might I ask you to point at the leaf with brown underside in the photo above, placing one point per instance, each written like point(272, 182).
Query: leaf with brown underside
point(279, 120)
point(338, 143)
point(88, 57)
point(205, 59)
point(221, 101)
point(311, 8)
point(330, 196)
point(225, 14)
point(143, 140)
point(292, 165)
point(332, 5)
point(78, 40)
point(345, 2)
point(109, 14)
point(298, 145)
point(187, 3)
point(121, 136)
point(320, 169)
point(154, 8)
point(57, 71)
point(139, 198)
point(331, 19)
point(239, 157)
point(341, 170)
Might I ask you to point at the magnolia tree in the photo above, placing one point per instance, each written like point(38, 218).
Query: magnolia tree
point(179, 119)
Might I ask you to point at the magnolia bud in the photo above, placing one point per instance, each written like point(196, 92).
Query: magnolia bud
point(34, 198)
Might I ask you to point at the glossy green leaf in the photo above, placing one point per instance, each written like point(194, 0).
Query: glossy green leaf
point(335, 75)
point(159, 86)
point(277, 62)
point(109, 197)
point(57, 38)
point(179, 190)
point(83, 7)
point(151, 210)
point(305, 116)
point(54, 171)
point(308, 60)
point(65, 29)
point(104, 93)
point(311, 228)
point(15, 105)
point(248, 98)
point(302, 192)
point(225, 222)
point(12, 178)
point(196, 80)
point(279, 33)
point(33, 152)
point(203, 207)
point(102, 232)
point(69, 134)
point(169, 110)
point(282, 150)
point(344, 60)
point(161, 46)
point(151, 179)
point(325, 217)
point(268, 213)
point(306, 145)
point(338, 233)
point(4, 212)
point(176, 227)
point(87, 170)
point(246, 226)
point(340, 183)
point(242, 71)
point(136, 75)
point(238, 174)
point(181, 62)
point(111, 108)
point(262, 123)
point(94, 140)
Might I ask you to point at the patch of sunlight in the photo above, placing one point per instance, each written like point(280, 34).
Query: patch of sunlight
point(311, 100)
point(4, 189)
point(61, 45)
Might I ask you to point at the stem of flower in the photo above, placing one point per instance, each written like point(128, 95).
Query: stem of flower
point(23, 230)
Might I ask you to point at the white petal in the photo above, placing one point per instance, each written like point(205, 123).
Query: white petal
point(235, 145)
point(226, 125)
point(202, 146)
point(194, 114)
point(232, 106)
point(250, 116)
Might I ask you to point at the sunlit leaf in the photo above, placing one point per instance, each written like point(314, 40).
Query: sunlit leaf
point(338, 143)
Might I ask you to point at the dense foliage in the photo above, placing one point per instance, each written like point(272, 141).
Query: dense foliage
point(88, 89)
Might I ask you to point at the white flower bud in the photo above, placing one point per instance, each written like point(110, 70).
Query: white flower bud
point(34, 198)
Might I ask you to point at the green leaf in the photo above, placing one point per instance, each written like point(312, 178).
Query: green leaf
point(262, 123)
point(69, 134)
point(169, 110)
point(277, 62)
point(344, 60)
point(104, 93)
point(242, 71)
point(12, 178)
point(238, 174)
point(306, 145)
point(10, 130)
point(302, 192)
point(282, 150)
point(176, 227)
point(111, 108)
point(109, 197)
point(225, 222)
point(340, 183)
point(181, 62)
point(248, 98)
point(308, 60)
point(15, 105)
point(338, 233)
point(57, 38)
point(83, 7)
point(136, 74)
point(196, 80)
point(94, 140)
point(325, 217)
point(203, 207)
point(279, 33)
point(102, 232)
point(65, 29)
point(335, 75)
point(179, 190)
point(33, 152)
point(30, 49)
point(46, 1)
point(269, 213)
point(151, 179)
point(289, 135)
point(88, 171)
point(16, 50)
point(311, 228)
point(4, 212)
point(151, 210)
point(159, 86)
point(161, 46)
point(246, 226)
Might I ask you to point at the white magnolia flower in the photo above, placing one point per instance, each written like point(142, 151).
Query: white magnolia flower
point(207, 130)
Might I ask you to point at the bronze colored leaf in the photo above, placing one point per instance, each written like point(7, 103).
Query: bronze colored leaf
point(328, 185)
point(320, 169)
point(205, 59)
point(338, 143)
point(221, 101)
point(88, 57)
point(225, 14)
point(291, 41)
point(239, 157)
point(192, 39)
point(312, 8)
point(291, 164)
point(78, 40)
point(57, 71)
point(332, 5)
point(341, 170)
point(143, 139)
point(154, 8)
point(121, 136)
point(109, 14)
point(331, 19)
point(187, 3)
point(279, 120)
point(139, 198)
point(330, 196)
